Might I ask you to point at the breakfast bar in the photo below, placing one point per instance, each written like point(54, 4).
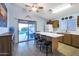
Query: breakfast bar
point(54, 38)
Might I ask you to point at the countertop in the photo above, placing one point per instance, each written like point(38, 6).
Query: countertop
point(54, 35)
point(6, 34)
point(73, 32)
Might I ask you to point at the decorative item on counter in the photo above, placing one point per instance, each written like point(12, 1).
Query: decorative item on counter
point(11, 29)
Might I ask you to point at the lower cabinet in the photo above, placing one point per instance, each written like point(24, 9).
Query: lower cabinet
point(67, 39)
point(5, 45)
point(61, 39)
point(75, 40)
point(71, 39)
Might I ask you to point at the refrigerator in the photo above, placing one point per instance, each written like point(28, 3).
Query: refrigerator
point(48, 28)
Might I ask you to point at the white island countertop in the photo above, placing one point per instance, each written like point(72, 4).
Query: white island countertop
point(54, 35)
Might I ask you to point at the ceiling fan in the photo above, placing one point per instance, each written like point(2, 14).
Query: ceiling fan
point(34, 7)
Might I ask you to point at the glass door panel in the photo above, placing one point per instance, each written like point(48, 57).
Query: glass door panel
point(31, 31)
point(23, 32)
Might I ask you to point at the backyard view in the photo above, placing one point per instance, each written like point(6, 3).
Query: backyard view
point(26, 31)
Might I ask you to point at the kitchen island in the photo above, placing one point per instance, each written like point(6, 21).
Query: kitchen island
point(54, 38)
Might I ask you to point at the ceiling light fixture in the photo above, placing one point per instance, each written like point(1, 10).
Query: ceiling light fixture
point(34, 9)
point(61, 8)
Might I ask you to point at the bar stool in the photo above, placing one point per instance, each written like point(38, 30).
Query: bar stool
point(38, 41)
point(47, 45)
point(36, 38)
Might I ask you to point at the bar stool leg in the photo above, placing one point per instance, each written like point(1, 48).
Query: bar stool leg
point(40, 47)
point(46, 50)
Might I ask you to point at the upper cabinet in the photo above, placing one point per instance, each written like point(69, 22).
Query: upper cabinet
point(77, 21)
point(55, 23)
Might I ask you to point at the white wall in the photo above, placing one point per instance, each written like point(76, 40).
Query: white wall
point(40, 23)
point(16, 12)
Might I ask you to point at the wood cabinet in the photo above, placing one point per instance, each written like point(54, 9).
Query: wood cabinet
point(77, 21)
point(67, 39)
point(70, 39)
point(5, 44)
point(61, 39)
point(55, 23)
point(75, 40)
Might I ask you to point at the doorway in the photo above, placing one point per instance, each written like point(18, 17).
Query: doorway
point(26, 30)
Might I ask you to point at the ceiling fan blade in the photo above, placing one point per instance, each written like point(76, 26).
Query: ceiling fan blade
point(27, 6)
point(40, 7)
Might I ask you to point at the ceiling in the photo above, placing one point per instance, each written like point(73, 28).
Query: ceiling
point(47, 6)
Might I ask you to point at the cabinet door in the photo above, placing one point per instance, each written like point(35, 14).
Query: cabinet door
point(55, 24)
point(67, 39)
point(77, 21)
point(1, 47)
point(75, 40)
point(5, 46)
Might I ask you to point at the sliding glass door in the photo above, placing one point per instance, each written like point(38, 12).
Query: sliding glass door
point(26, 30)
